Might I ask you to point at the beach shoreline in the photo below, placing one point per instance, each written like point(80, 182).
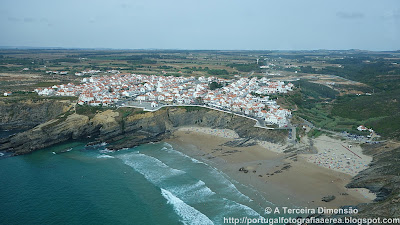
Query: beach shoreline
point(281, 178)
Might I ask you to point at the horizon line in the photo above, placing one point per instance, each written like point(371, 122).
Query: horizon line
point(177, 49)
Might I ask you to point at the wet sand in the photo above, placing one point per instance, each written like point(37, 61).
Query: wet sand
point(280, 178)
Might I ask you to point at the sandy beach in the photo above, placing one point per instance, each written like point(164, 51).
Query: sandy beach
point(341, 156)
point(224, 133)
point(281, 178)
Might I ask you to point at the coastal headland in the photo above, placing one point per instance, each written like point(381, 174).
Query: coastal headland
point(254, 156)
point(129, 127)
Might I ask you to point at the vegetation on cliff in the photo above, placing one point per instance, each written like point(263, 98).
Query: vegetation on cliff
point(383, 178)
point(131, 125)
point(25, 114)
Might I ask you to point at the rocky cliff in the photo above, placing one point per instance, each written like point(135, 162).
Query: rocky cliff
point(128, 127)
point(382, 178)
point(27, 114)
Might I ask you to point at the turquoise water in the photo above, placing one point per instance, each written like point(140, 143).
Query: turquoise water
point(149, 184)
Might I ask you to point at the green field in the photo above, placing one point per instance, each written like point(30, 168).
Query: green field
point(333, 107)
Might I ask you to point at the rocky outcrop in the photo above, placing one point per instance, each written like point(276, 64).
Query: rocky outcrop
point(328, 198)
point(129, 127)
point(27, 114)
point(383, 178)
point(47, 134)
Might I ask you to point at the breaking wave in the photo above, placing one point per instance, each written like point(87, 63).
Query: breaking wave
point(188, 214)
point(105, 157)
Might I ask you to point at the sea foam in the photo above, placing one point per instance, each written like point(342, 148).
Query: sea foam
point(194, 190)
point(188, 214)
point(238, 207)
point(170, 149)
point(220, 176)
point(105, 157)
point(152, 168)
point(193, 193)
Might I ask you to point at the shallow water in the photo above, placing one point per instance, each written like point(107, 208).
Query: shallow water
point(149, 184)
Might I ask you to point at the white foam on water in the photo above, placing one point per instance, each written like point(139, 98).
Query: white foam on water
point(220, 176)
point(97, 145)
point(188, 214)
point(251, 187)
point(193, 193)
point(1, 154)
point(233, 206)
point(168, 145)
point(152, 168)
point(172, 150)
point(105, 151)
point(105, 157)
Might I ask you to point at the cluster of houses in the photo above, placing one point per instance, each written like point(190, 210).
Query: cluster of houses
point(245, 96)
point(57, 72)
point(87, 72)
point(250, 97)
point(94, 72)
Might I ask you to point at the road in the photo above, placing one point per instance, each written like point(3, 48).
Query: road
point(357, 138)
point(250, 74)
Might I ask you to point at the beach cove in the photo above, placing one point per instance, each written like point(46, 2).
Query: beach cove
point(194, 177)
point(298, 180)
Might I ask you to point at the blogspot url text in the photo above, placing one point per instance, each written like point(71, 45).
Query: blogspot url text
point(310, 220)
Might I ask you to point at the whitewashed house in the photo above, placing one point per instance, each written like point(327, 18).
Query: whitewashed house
point(154, 104)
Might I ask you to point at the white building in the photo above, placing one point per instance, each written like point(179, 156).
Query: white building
point(154, 104)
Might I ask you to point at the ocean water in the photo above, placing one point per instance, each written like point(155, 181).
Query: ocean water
point(149, 184)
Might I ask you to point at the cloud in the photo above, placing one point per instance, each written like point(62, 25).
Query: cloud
point(125, 5)
point(393, 14)
point(29, 20)
point(13, 19)
point(350, 15)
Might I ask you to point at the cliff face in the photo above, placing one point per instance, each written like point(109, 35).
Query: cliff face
point(129, 127)
point(27, 114)
point(383, 178)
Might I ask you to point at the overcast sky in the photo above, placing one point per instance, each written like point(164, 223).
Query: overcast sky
point(202, 24)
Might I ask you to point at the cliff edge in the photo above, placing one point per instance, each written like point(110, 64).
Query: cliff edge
point(128, 127)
